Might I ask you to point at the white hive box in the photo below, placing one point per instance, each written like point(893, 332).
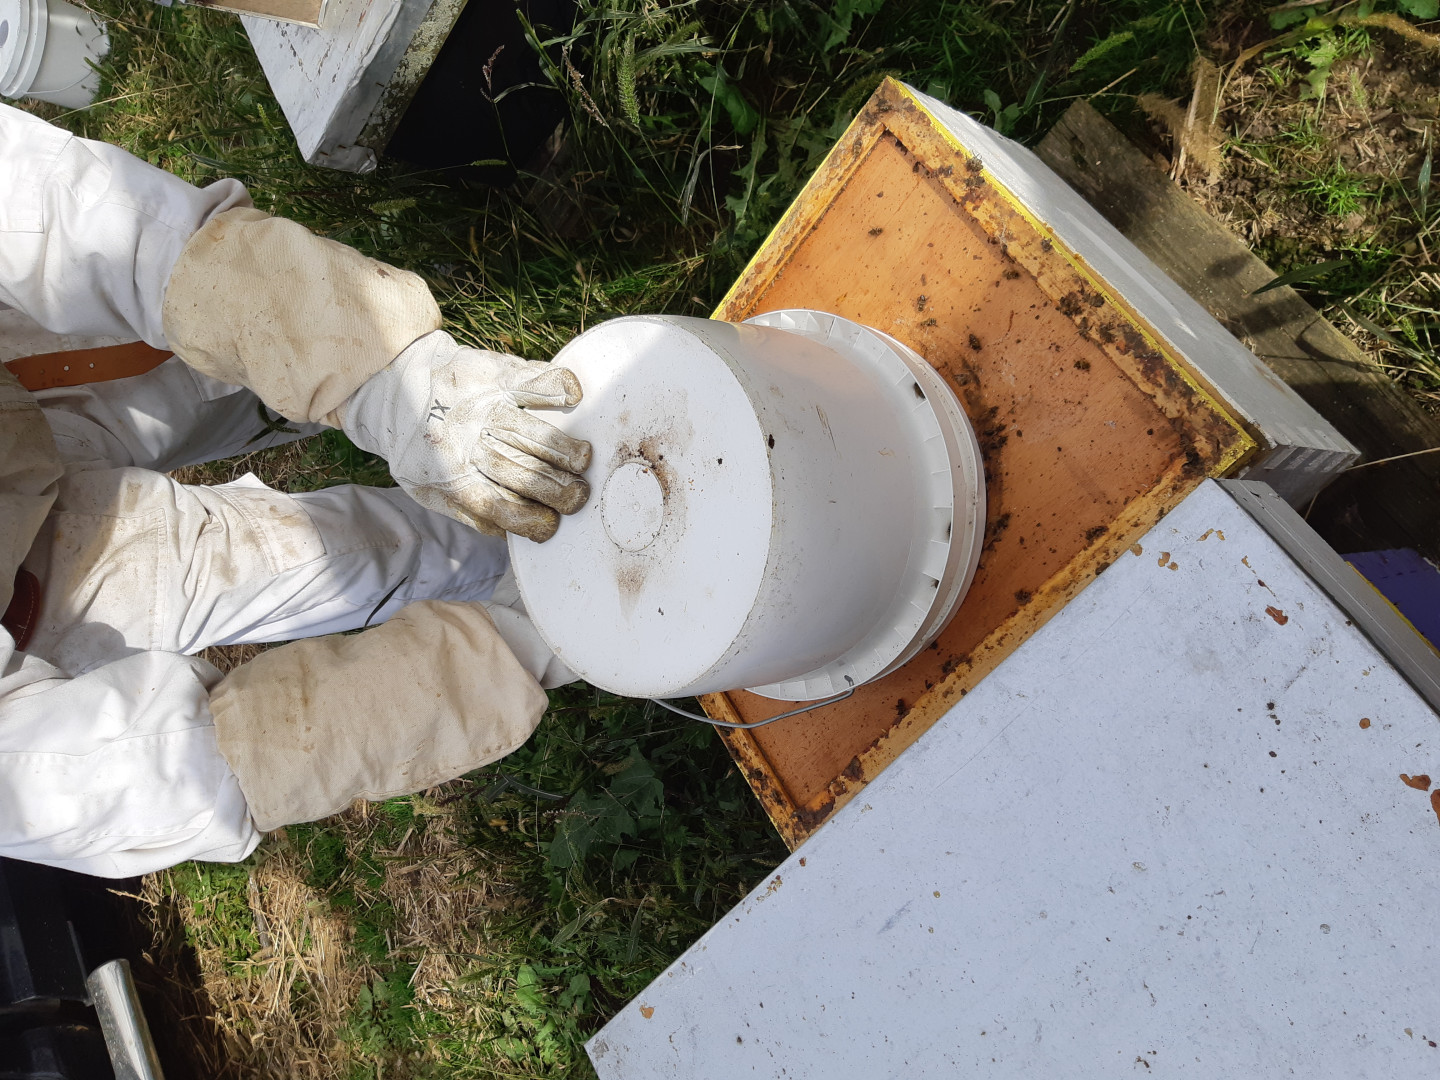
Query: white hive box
point(344, 86)
point(1167, 836)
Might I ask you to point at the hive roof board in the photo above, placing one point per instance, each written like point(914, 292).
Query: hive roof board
point(1101, 394)
point(1168, 835)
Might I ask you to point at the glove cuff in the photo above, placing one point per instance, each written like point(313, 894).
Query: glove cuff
point(429, 695)
point(387, 411)
point(261, 302)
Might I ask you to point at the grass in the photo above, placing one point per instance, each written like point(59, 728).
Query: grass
point(486, 928)
point(482, 926)
point(1339, 169)
point(1337, 192)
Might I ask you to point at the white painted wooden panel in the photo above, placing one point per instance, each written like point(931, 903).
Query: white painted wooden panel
point(329, 81)
point(1156, 841)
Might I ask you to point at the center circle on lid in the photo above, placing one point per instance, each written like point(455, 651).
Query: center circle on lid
point(4, 31)
point(632, 506)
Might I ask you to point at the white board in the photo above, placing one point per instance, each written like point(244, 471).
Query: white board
point(1156, 841)
point(343, 86)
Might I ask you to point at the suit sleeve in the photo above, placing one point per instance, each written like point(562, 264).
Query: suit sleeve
point(115, 772)
point(89, 233)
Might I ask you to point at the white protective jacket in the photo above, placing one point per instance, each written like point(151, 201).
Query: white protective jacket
point(152, 759)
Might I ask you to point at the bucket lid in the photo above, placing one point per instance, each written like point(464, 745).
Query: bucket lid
point(629, 591)
point(22, 44)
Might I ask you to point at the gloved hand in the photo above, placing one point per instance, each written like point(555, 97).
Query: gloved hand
point(453, 425)
point(507, 611)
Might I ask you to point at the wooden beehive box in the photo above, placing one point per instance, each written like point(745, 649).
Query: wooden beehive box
point(1091, 424)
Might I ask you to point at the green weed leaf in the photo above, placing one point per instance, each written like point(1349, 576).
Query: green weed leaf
point(1302, 274)
point(639, 790)
point(1419, 9)
point(841, 19)
point(1101, 48)
point(574, 995)
point(1321, 58)
point(1385, 335)
point(742, 114)
point(1002, 119)
point(1287, 17)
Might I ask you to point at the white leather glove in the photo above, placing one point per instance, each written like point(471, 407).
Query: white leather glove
point(529, 647)
point(507, 612)
point(453, 426)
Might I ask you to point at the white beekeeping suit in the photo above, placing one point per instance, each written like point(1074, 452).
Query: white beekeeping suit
point(120, 753)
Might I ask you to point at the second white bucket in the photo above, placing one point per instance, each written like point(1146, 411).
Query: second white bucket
point(794, 505)
point(46, 52)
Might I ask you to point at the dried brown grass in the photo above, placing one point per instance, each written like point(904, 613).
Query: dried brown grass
point(281, 1012)
point(1316, 170)
point(228, 657)
point(442, 901)
point(277, 466)
point(1197, 137)
point(288, 1010)
point(1374, 121)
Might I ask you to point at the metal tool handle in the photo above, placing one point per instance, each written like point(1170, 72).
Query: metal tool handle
point(122, 1022)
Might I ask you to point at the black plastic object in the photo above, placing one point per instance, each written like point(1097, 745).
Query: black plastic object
point(55, 927)
point(40, 964)
point(55, 1052)
point(485, 127)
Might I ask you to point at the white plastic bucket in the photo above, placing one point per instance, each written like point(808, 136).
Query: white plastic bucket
point(794, 505)
point(46, 51)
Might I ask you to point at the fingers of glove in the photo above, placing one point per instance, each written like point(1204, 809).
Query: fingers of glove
point(528, 477)
point(541, 383)
point(492, 503)
point(555, 388)
point(529, 433)
point(435, 498)
point(489, 509)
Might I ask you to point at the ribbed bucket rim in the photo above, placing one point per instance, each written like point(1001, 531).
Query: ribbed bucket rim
point(32, 20)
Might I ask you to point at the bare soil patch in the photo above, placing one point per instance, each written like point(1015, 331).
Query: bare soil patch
point(1334, 163)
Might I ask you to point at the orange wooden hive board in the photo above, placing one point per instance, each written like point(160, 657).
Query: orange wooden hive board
point(1090, 431)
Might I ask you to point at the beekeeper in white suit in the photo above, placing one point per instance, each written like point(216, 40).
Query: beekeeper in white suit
point(120, 753)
